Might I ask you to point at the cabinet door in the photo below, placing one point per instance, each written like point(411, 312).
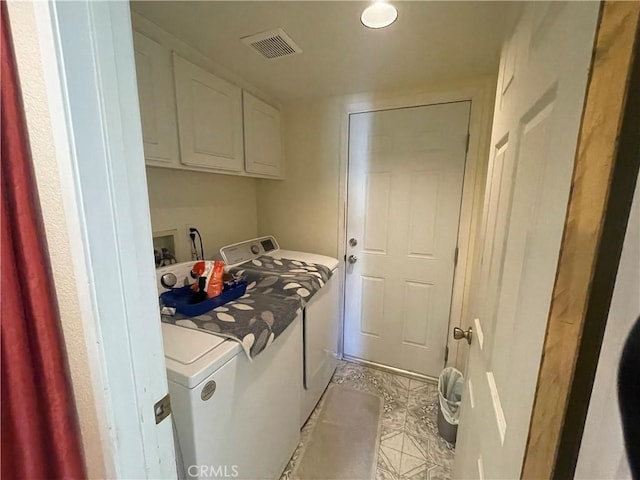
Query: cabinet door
point(209, 118)
point(157, 103)
point(262, 140)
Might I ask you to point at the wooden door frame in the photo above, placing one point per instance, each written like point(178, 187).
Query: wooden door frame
point(603, 184)
point(480, 92)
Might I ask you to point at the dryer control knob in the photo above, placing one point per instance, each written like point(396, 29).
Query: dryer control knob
point(168, 280)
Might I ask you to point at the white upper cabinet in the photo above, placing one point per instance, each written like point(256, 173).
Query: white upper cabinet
point(209, 118)
point(157, 107)
point(262, 139)
point(193, 120)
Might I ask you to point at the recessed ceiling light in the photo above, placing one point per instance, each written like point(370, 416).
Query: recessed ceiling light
point(379, 15)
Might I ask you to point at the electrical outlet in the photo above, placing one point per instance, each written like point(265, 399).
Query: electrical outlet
point(187, 231)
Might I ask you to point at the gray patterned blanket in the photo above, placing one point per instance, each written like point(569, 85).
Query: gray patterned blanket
point(277, 290)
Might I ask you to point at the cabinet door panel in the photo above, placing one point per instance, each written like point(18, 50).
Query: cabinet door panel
point(213, 134)
point(262, 137)
point(157, 105)
point(209, 118)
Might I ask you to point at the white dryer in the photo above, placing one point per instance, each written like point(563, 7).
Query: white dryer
point(321, 316)
point(234, 418)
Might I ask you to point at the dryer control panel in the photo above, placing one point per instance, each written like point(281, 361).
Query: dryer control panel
point(244, 251)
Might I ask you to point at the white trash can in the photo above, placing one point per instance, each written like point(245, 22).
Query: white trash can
point(450, 385)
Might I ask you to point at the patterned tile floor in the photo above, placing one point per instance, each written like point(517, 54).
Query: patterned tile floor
point(410, 447)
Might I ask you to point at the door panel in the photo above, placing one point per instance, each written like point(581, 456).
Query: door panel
point(376, 211)
point(406, 169)
point(423, 202)
point(543, 74)
point(417, 301)
point(372, 312)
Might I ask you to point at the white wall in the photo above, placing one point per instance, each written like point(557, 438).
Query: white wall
point(302, 210)
point(602, 453)
point(28, 55)
point(222, 207)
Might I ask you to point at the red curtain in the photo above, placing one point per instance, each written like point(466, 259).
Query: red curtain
point(40, 437)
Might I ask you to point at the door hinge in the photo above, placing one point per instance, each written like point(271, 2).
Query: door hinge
point(466, 148)
point(162, 408)
point(455, 257)
point(446, 354)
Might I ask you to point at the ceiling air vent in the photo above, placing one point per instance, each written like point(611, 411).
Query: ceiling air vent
point(272, 44)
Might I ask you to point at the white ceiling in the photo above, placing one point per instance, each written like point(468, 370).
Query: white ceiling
point(431, 42)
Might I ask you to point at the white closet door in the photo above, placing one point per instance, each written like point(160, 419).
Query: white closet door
point(544, 68)
point(209, 118)
point(262, 140)
point(157, 102)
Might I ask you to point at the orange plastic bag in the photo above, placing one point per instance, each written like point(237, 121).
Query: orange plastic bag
point(213, 273)
point(215, 281)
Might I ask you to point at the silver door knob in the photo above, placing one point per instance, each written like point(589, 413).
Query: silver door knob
point(353, 242)
point(459, 334)
point(352, 259)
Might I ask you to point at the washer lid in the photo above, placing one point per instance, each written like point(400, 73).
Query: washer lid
point(185, 345)
point(329, 262)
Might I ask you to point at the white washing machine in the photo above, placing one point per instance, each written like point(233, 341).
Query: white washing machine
point(234, 418)
point(321, 316)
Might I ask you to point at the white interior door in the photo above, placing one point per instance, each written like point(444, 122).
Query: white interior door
point(541, 85)
point(406, 169)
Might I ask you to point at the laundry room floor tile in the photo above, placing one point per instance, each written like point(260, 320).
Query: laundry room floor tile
point(438, 473)
point(391, 438)
point(395, 418)
point(412, 467)
point(389, 459)
point(382, 474)
point(416, 447)
point(410, 446)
